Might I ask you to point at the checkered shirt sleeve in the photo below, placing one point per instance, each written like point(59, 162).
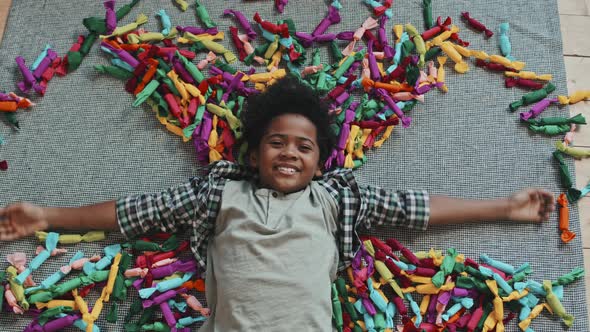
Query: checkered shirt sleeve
point(366, 206)
point(193, 205)
point(407, 208)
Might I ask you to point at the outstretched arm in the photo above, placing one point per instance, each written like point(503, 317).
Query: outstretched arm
point(529, 205)
point(22, 219)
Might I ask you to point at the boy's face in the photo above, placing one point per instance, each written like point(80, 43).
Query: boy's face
point(288, 155)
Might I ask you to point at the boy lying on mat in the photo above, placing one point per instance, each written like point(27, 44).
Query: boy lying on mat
point(272, 235)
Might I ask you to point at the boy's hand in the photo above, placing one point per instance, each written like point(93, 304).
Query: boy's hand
point(20, 220)
point(530, 205)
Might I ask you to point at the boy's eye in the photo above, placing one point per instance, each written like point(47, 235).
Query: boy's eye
point(305, 148)
point(275, 143)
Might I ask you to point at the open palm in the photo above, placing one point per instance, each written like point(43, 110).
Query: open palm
point(21, 219)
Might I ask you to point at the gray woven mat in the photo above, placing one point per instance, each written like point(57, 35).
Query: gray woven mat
point(84, 143)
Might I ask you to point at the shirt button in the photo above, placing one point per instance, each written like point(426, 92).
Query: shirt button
point(274, 194)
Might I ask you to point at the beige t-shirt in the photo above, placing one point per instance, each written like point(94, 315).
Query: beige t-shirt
point(272, 260)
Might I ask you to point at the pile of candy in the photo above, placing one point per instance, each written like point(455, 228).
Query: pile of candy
point(160, 277)
point(457, 292)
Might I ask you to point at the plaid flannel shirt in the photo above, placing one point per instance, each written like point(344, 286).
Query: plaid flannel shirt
point(195, 205)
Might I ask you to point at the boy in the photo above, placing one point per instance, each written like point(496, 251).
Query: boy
point(273, 235)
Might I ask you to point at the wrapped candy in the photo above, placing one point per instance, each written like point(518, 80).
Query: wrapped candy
point(280, 5)
point(441, 304)
point(110, 16)
point(550, 130)
point(415, 309)
point(464, 302)
point(12, 301)
point(497, 264)
point(388, 51)
point(18, 260)
point(569, 277)
point(577, 153)
point(418, 41)
point(475, 24)
point(57, 276)
point(492, 66)
point(533, 96)
point(10, 102)
point(78, 264)
point(208, 59)
point(529, 75)
point(460, 65)
point(203, 15)
point(568, 139)
point(29, 81)
point(98, 24)
point(50, 244)
point(515, 65)
point(370, 23)
point(537, 108)
point(43, 318)
point(167, 314)
point(182, 4)
point(577, 119)
point(16, 288)
point(427, 14)
point(40, 58)
point(194, 304)
point(177, 266)
point(333, 17)
point(197, 30)
point(566, 234)
point(114, 71)
point(165, 285)
point(436, 28)
point(575, 97)
point(213, 46)
point(381, 7)
point(525, 323)
point(243, 22)
point(524, 83)
point(125, 29)
point(109, 254)
point(45, 63)
point(441, 73)
point(505, 45)
point(186, 321)
point(446, 268)
point(392, 105)
point(556, 305)
point(61, 323)
point(446, 34)
point(166, 24)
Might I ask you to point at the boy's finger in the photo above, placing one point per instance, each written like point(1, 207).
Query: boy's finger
point(6, 234)
point(8, 237)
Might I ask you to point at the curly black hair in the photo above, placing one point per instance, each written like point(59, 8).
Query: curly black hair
point(287, 95)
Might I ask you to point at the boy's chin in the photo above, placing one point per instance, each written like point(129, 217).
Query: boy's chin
point(287, 188)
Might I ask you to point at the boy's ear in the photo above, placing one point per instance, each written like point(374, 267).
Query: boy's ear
point(253, 159)
point(318, 171)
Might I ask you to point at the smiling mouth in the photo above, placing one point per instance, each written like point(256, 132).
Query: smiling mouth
point(286, 170)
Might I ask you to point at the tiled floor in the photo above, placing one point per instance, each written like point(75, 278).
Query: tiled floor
point(575, 24)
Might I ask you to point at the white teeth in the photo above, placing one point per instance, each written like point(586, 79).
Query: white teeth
point(286, 170)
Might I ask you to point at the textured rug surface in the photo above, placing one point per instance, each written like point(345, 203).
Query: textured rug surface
point(84, 143)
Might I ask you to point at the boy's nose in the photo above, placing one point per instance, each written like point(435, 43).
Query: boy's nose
point(289, 152)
